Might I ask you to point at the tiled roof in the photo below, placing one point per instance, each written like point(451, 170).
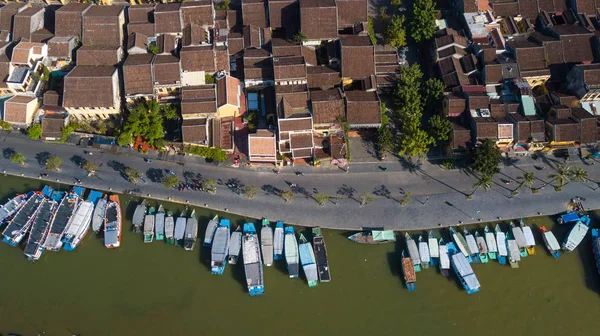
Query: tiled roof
point(194, 130)
point(295, 124)
point(22, 23)
point(358, 57)
point(318, 19)
point(141, 13)
point(7, 13)
point(351, 11)
point(137, 40)
point(89, 86)
point(327, 105)
point(283, 47)
point(52, 124)
point(506, 9)
point(101, 26)
point(262, 143)
point(197, 12)
point(98, 55)
point(254, 13)
point(228, 88)
point(166, 70)
point(61, 46)
point(167, 18)
point(284, 14)
point(194, 35)
point(289, 68)
point(142, 28)
point(137, 74)
point(322, 77)
point(15, 109)
point(301, 140)
point(363, 109)
point(197, 59)
point(198, 99)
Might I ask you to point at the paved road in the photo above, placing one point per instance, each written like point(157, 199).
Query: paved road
point(438, 196)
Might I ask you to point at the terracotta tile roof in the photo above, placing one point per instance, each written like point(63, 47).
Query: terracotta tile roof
point(90, 86)
point(284, 14)
point(167, 18)
point(4, 70)
point(289, 68)
point(21, 51)
point(142, 28)
point(456, 105)
point(195, 35)
point(198, 99)
point(167, 44)
point(7, 13)
point(141, 13)
point(548, 6)
point(61, 46)
point(283, 47)
point(563, 130)
point(98, 55)
point(262, 143)
point(254, 13)
point(166, 70)
point(194, 130)
point(15, 109)
point(363, 109)
point(301, 140)
point(485, 128)
point(197, 12)
point(291, 99)
point(295, 124)
point(24, 23)
point(591, 74)
point(506, 9)
point(101, 26)
point(137, 74)
point(358, 57)
point(228, 88)
point(257, 64)
point(51, 98)
point(235, 42)
point(322, 77)
point(351, 11)
point(137, 40)
point(52, 124)
point(198, 59)
point(450, 39)
point(222, 133)
point(327, 105)
point(222, 58)
point(318, 19)
point(452, 50)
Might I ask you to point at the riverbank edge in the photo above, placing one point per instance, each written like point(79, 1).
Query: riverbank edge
point(39, 178)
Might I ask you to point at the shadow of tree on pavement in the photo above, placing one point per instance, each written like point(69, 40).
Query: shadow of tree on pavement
point(42, 157)
point(155, 174)
point(8, 152)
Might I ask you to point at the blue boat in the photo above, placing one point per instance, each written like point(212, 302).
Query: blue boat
point(596, 247)
point(408, 272)
point(252, 261)
point(19, 225)
point(66, 208)
point(462, 269)
point(568, 217)
point(220, 247)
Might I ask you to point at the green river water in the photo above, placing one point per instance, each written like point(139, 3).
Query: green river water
point(158, 289)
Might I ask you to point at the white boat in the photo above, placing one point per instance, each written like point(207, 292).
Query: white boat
point(266, 242)
point(529, 239)
point(253, 267)
point(11, 207)
point(576, 235)
point(278, 241)
point(434, 249)
point(518, 235)
point(444, 258)
point(307, 259)
point(220, 247)
point(169, 228)
point(471, 243)
point(79, 224)
point(292, 258)
point(180, 229)
point(235, 245)
point(413, 252)
point(67, 207)
point(482, 246)
point(98, 217)
point(501, 244)
point(514, 255)
point(210, 231)
point(460, 242)
point(491, 242)
point(159, 223)
point(424, 253)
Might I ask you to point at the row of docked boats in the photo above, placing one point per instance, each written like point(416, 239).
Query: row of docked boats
point(161, 225)
point(52, 219)
point(272, 245)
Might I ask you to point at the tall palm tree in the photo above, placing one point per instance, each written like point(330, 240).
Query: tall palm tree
point(527, 180)
point(485, 183)
point(580, 175)
point(562, 175)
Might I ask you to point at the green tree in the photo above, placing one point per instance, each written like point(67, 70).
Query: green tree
point(250, 191)
point(34, 131)
point(422, 26)
point(17, 158)
point(395, 33)
point(527, 180)
point(580, 175)
point(169, 181)
point(223, 5)
point(439, 128)
point(132, 174)
point(396, 3)
point(371, 31)
point(124, 139)
point(144, 120)
point(406, 199)
point(414, 143)
point(209, 186)
point(486, 158)
point(300, 37)
point(385, 138)
point(89, 166)
point(153, 48)
point(485, 183)
point(562, 176)
point(169, 111)
point(5, 125)
point(287, 196)
point(53, 163)
point(66, 133)
point(433, 90)
point(365, 198)
point(321, 198)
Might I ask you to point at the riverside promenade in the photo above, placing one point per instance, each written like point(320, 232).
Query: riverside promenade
point(438, 196)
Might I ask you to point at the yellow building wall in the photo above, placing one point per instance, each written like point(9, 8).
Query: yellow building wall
point(228, 111)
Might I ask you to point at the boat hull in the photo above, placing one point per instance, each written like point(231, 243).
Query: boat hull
point(160, 237)
point(484, 259)
point(531, 250)
point(502, 260)
point(148, 237)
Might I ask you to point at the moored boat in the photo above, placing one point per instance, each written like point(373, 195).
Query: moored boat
point(191, 232)
point(159, 223)
point(220, 247)
point(471, 246)
point(596, 247)
point(21, 222)
point(321, 255)
point(65, 210)
point(149, 225)
point(482, 246)
point(501, 244)
point(266, 242)
point(529, 239)
point(576, 234)
point(292, 258)
point(444, 258)
point(138, 217)
point(39, 229)
point(307, 259)
point(551, 242)
point(11, 207)
point(519, 237)
point(413, 252)
point(235, 245)
point(434, 250)
point(98, 216)
point(211, 227)
point(460, 243)
point(180, 229)
point(424, 253)
point(80, 222)
point(169, 227)
point(113, 223)
point(278, 241)
point(253, 267)
point(490, 240)
point(408, 272)
point(373, 237)
point(514, 252)
point(463, 270)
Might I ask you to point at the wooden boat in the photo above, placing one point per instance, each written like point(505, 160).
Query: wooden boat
point(490, 241)
point(113, 222)
point(482, 246)
point(514, 252)
point(519, 237)
point(576, 234)
point(253, 267)
point(408, 271)
point(501, 244)
point(321, 255)
point(80, 222)
point(266, 242)
point(444, 258)
point(69, 203)
point(596, 247)
point(373, 237)
point(471, 246)
point(138, 217)
point(463, 270)
point(529, 239)
point(307, 259)
point(220, 247)
point(550, 241)
point(278, 241)
point(424, 253)
point(290, 249)
point(11, 207)
point(39, 229)
point(20, 223)
point(159, 223)
point(179, 232)
point(460, 243)
point(413, 252)
point(149, 225)
point(434, 250)
point(211, 227)
point(235, 245)
point(98, 216)
point(191, 232)
point(169, 228)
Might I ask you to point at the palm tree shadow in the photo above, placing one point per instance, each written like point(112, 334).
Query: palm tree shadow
point(442, 182)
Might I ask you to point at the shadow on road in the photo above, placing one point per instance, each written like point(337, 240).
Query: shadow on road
point(42, 157)
point(8, 152)
point(155, 175)
point(271, 190)
point(77, 159)
point(347, 191)
point(116, 166)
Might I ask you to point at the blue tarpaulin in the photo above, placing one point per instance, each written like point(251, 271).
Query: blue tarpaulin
point(570, 217)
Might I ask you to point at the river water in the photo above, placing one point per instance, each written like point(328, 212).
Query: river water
point(158, 289)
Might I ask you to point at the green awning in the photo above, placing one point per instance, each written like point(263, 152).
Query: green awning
point(383, 235)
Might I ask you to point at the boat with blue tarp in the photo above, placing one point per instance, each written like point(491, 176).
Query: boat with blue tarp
point(307, 259)
point(290, 249)
point(501, 244)
point(462, 269)
point(551, 242)
point(18, 226)
point(65, 210)
point(220, 247)
point(80, 222)
point(253, 267)
point(408, 272)
point(568, 217)
point(576, 234)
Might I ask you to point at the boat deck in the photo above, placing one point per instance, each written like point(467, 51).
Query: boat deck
point(307, 259)
point(321, 259)
point(149, 224)
point(80, 220)
point(461, 243)
point(60, 220)
point(266, 244)
point(235, 244)
point(464, 270)
point(471, 244)
point(159, 223)
point(529, 239)
point(482, 245)
point(39, 228)
point(575, 236)
point(424, 252)
point(191, 232)
point(23, 217)
point(220, 246)
point(252, 260)
point(278, 237)
point(180, 228)
point(434, 250)
point(138, 214)
point(98, 217)
point(551, 241)
point(169, 227)
point(10, 207)
point(211, 227)
point(513, 250)
point(519, 236)
point(291, 249)
point(444, 258)
point(409, 270)
point(413, 251)
point(501, 243)
point(491, 242)
point(112, 227)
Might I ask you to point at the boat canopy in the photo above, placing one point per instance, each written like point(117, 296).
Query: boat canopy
point(551, 240)
point(460, 242)
point(409, 270)
point(570, 217)
point(491, 242)
point(413, 251)
point(424, 252)
point(471, 281)
point(444, 259)
point(529, 240)
point(482, 245)
point(471, 244)
point(575, 236)
point(513, 250)
point(501, 242)
point(235, 243)
point(383, 235)
point(462, 265)
point(434, 250)
point(519, 236)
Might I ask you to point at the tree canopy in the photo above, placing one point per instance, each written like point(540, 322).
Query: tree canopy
point(422, 26)
point(17, 158)
point(439, 128)
point(433, 89)
point(53, 163)
point(395, 33)
point(144, 119)
point(169, 181)
point(486, 158)
point(385, 138)
point(34, 131)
